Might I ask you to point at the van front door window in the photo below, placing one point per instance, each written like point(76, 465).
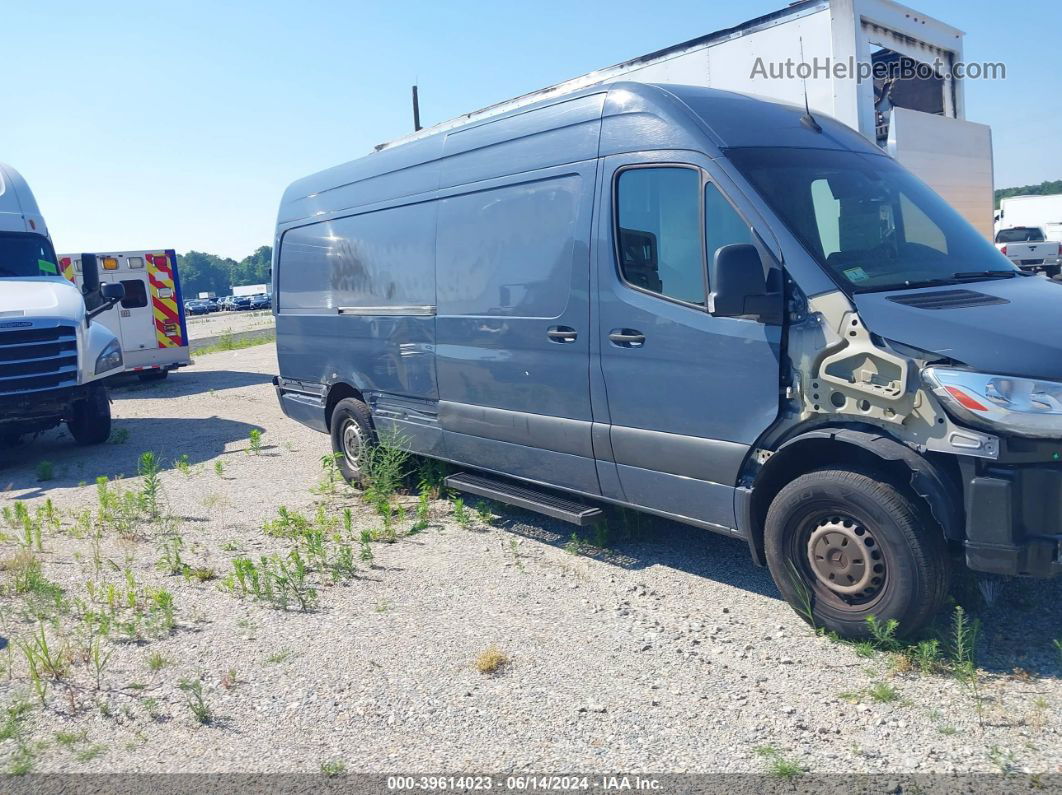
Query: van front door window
point(659, 232)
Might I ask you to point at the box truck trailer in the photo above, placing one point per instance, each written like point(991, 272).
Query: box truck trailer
point(150, 320)
point(919, 119)
point(54, 351)
point(698, 304)
point(1039, 212)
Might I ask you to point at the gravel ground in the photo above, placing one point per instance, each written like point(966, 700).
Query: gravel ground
point(218, 323)
point(666, 652)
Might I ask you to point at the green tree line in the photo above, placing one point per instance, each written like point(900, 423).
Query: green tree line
point(1046, 188)
point(201, 272)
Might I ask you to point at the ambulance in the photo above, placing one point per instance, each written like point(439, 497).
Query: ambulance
point(149, 321)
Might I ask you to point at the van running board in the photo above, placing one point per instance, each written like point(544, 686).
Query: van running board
point(540, 502)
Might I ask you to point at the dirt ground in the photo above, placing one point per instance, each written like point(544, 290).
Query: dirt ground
point(490, 640)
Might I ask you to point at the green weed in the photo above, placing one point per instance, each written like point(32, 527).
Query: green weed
point(255, 440)
point(196, 701)
point(45, 470)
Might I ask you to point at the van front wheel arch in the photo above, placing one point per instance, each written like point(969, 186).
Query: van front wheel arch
point(843, 546)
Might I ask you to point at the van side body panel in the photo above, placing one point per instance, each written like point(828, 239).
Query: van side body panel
point(513, 263)
point(452, 281)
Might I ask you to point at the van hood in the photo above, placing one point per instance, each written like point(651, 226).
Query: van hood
point(40, 297)
point(1005, 326)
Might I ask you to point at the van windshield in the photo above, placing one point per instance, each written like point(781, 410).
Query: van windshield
point(25, 254)
point(868, 220)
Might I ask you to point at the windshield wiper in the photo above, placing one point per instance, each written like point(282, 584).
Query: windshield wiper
point(914, 284)
point(968, 275)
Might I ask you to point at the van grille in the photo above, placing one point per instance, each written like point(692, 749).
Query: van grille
point(947, 299)
point(32, 360)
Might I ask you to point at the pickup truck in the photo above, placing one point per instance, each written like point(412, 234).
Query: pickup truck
point(1027, 247)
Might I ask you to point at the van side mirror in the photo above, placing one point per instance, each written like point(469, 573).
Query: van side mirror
point(739, 288)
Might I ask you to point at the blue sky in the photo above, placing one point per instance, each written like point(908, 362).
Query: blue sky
point(180, 123)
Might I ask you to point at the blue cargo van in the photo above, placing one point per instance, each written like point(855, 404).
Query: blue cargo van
point(696, 304)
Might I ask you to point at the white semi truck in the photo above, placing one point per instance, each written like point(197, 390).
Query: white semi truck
point(53, 357)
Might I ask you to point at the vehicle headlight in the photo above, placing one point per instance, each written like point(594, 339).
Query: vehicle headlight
point(1023, 406)
point(110, 358)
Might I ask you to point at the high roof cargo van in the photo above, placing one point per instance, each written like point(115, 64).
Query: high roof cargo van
point(726, 311)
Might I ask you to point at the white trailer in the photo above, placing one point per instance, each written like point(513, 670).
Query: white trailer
point(149, 321)
point(1044, 212)
point(919, 120)
point(252, 289)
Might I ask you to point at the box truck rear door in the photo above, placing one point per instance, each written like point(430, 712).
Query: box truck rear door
point(953, 156)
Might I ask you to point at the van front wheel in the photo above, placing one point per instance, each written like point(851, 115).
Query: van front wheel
point(352, 437)
point(843, 546)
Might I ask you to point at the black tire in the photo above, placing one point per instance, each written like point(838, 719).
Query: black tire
point(91, 423)
point(150, 376)
point(902, 568)
point(351, 416)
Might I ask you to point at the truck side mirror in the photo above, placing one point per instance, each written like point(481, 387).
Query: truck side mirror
point(90, 281)
point(739, 288)
point(110, 294)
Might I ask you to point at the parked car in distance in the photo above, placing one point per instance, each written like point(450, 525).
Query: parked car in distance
point(197, 307)
point(696, 304)
point(1029, 249)
point(261, 301)
point(241, 302)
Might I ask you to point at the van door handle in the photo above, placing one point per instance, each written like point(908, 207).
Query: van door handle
point(626, 338)
point(562, 334)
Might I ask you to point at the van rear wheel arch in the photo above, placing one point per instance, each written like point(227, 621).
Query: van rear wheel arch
point(337, 392)
point(934, 484)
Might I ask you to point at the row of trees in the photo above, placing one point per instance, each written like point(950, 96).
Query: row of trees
point(1048, 188)
point(201, 272)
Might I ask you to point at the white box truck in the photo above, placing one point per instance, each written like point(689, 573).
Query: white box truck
point(1043, 212)
point(150, 319)
point(920, 119)
point(54, 351)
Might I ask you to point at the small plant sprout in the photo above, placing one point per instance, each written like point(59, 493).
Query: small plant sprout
point(366, 548)
point(883, 693)
point(461, 514)
point(575, 545)
point(778, 766)
point(219, 468)
point(45, 470)
point(491, 660)
point(119, 436)
point(484, 513)
point(333, 768)
point(195, 701)
point(182, 464)
point(151, 484)
point(255, 437)
point(156, 661)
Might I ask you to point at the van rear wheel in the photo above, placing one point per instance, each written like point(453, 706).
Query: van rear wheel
point(352, 437)
point(843, 546)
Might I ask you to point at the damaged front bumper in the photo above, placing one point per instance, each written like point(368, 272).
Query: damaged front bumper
point(1013, 517)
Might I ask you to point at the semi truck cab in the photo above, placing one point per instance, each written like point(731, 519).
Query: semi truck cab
point(53, 357)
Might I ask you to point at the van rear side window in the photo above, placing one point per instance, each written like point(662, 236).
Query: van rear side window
point(373, 260)
point(659, 231)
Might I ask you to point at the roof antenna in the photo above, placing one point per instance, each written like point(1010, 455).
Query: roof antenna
point(807, 119)
point(416, 110)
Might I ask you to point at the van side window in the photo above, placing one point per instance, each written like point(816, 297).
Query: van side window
point(722, 225)
point(659, 230)
point(135, 294)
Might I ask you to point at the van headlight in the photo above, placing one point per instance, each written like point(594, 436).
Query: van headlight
point(110, 358)
point(1022, 406)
